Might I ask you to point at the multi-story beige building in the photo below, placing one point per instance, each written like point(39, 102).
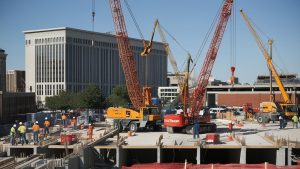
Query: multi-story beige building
point(15, 81)
point(70, 59)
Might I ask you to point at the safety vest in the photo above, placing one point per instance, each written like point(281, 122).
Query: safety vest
point(22, 129)
point(64, 117)
point(12, 131)
point(90, 130)
point(36, 128)
point(47, 123)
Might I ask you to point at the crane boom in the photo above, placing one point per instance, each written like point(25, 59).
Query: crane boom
point(126, 55)
point(199, 92)
point(267, 57)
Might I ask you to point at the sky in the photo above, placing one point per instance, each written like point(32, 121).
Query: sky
point(188, 21)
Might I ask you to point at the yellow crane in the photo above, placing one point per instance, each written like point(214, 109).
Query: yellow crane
point(271, 110)
point(182, 80)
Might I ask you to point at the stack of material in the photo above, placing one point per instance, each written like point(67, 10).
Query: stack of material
point(228, 115)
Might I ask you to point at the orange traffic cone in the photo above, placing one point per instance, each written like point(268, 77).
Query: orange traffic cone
point(230, 137)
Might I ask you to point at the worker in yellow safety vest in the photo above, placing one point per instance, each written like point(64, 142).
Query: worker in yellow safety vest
point(22, 131)
point(13, 134)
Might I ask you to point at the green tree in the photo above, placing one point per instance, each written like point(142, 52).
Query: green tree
point(91, 98)
point(119, 97)
point(59, 102)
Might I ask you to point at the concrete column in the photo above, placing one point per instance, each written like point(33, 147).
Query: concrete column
point(289, 153)
point(280, 156)
point(243, 155)
point(198, 157)
point(159, 154)
point(120, 157)
point(8, 151)
point(35, 150)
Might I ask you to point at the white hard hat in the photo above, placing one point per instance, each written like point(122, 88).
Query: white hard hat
point(73, 117)
point(20, 123)
point(46, 118)
point(37, 122)
point(90, 124)
point(14, 125)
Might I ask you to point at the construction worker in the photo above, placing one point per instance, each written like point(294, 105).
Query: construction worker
point(47, 125)
point(295, 121)
point(13, 134)
point(196, 129)
point(36, 131)
point(64, 119)
point(281, 122)
point(90, 131)
point(22, 131)
point(74, 122)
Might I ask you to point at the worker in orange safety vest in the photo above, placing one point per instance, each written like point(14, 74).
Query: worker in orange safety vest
point(90, 131)
point(36, 130)
point(47, 125)
point(64, 119)
point(74, 122)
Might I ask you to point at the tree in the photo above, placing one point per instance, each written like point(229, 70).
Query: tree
point(60, 102)
point(91, 98)
point(119, 97)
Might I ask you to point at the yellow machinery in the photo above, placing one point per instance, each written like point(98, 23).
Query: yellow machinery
point(269, 111)
point(147, 117)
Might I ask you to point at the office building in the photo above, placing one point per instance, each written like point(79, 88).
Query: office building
point(15, 81)
point(70, 59)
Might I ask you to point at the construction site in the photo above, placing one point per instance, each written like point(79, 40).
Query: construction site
point(205, 125)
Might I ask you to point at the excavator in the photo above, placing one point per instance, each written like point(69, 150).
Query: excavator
point(144, 115)
point(270, 111)
point(183, 123)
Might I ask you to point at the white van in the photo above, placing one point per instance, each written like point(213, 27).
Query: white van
point(216, 110)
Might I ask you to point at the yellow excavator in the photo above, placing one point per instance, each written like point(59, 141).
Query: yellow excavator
point(270, 111)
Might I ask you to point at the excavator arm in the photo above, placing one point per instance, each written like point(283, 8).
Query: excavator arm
point(267, 58)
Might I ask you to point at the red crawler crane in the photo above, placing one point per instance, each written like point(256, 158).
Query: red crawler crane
point(126, 56)
point(184, 122)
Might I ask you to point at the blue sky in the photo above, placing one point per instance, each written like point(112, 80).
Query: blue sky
point(188, 21)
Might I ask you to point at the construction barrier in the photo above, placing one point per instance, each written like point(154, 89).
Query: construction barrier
point(207, 166)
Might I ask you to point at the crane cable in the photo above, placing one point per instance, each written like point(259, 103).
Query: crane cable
point(261, 32)
point(204, 42)
point(179, 44)
point(232, 45)
point(134, 20)
point(233, 37)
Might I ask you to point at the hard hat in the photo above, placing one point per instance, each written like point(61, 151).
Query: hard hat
point(20, 123)
point(73, 117)
point(46, 118)
point(36, 122)
point(90, 124)
point(14, 125)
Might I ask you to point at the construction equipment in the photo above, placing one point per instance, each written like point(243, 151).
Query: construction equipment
point(182, 81)
point(270, 111)
point(145, 116)
point(184, 122)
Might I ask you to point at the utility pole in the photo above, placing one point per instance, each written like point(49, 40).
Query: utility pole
point(272, 97)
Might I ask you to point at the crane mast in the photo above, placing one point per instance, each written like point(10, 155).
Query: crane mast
point(126, 55)
point(199, 92)
point(271, 66)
